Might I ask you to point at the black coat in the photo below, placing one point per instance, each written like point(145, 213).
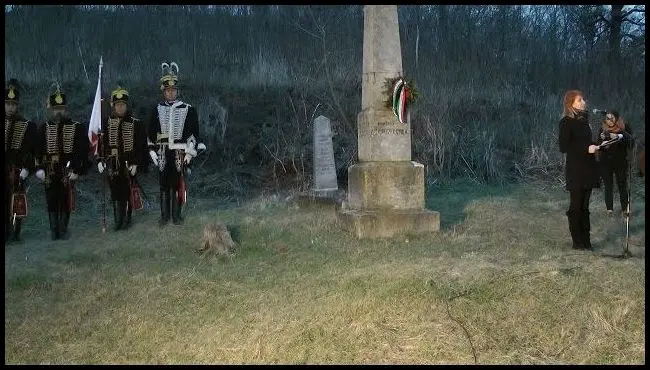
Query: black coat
point(581, 171)
point(615, 154)
point(139, 153)
point(20, 143)
point(78, 144)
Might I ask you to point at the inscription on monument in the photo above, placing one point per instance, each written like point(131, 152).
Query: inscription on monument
point(380, 128)
point(324, 165)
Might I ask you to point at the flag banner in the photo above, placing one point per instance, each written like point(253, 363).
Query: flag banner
point(95, 125)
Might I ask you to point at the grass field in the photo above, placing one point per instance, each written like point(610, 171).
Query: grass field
point(499, 284)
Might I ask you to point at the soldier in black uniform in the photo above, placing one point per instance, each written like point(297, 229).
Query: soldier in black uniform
point(123, 142)
point(173, 142)
point(62, 153)
point(20, 136)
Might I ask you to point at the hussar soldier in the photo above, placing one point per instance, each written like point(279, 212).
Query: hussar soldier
point(20, 136)
point(123, 142)
point(173, 142)
point(62, 153)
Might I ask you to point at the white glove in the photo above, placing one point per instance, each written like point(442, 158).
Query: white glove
point(188, 158)
point(40, 174)
point(201, 146)
point(24, 173)
point(133, 169)
point(101, 167)
point(73, 176)
point(190, 149)
point(154, 157)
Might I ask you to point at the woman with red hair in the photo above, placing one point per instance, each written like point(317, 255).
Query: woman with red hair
point(575, 139)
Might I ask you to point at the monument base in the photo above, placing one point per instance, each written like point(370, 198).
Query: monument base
point(387, 199)
point(386, 185)
point(366, 224)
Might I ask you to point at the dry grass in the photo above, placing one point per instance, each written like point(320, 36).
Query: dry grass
point(498, 285)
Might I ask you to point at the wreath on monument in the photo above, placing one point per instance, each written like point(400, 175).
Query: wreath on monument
point(401, 93)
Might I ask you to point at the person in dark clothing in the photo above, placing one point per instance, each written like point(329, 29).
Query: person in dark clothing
point(20, 137)
point(124, 140)
point(614, 159)
point(61, 156)
point(581, 172)
point(173, 142)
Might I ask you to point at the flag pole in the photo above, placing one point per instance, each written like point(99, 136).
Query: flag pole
point(100, 147)
point(95, 135)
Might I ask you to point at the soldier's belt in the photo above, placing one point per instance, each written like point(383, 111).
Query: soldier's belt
point(162, 138)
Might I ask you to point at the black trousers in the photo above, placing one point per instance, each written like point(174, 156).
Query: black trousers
point(57, 195)
point(578, 215)
point(608, 172)
point(120, 185)
point(169, 180)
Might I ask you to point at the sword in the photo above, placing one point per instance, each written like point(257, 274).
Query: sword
point(147, 203)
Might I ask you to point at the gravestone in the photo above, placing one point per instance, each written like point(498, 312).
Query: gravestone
point(324, 194)
point(325, 183)
point(385, 189)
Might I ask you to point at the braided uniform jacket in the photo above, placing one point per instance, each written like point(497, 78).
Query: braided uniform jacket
point(20, 140)
point(62, 142)
point(123, 140)
point(179, 119)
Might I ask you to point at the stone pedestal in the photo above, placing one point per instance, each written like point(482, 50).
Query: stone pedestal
point(368, 224)
point(387, 199)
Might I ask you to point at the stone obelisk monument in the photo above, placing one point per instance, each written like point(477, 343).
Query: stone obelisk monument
point(386, 188)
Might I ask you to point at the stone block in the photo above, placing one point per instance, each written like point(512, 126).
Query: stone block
point(366, 224)
point(386, 185)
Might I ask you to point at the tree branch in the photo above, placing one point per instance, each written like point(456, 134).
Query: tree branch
point(602, 18)
point(631, 36)
point(635, 22)
point(304, 30)
point(632, 11)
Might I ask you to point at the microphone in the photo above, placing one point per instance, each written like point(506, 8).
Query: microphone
point(598, 111)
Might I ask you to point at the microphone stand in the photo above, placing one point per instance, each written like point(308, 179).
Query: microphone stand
point(628, 210)
point(626, 253)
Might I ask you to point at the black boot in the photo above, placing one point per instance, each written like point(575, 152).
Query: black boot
point(16, 230)
point(129, 212)
point(177, 219)
point(115, 217)
point(164, 208)
point(120, 210)
point(7, 230)
point(54, 224)
point(64, 219)
point(575, 228)
point(586, 230)
point(123, 206)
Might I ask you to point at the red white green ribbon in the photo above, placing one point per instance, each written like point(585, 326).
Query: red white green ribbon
point(400, 96)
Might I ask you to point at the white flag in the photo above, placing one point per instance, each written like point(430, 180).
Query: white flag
point(95, 125)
